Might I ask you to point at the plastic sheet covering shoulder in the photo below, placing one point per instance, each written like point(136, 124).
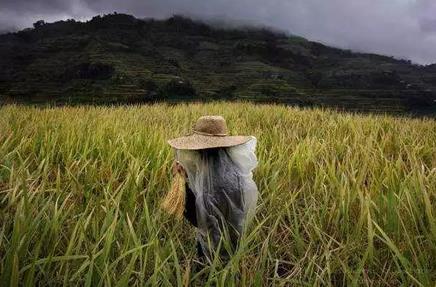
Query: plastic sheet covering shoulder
point(225, 192)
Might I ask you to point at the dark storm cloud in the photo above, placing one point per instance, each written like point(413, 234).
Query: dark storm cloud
point(18, 14)
point(35, 6)
point(402, 28)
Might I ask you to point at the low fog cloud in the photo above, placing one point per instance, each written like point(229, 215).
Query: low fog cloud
point(401, 28)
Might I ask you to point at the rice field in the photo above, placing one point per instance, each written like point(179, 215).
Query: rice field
point(345, 199)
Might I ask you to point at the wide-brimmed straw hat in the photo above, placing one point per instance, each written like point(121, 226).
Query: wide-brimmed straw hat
point(208, 132)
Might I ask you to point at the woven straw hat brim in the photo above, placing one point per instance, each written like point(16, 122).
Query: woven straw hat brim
point(197, 141)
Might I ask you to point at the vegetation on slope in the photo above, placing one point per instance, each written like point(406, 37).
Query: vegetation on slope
point(344, 199)
point(118, 58)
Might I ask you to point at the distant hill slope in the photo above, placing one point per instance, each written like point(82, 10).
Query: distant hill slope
point(118, 58)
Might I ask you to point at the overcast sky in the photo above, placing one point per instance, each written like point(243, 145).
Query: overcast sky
point(400, 28)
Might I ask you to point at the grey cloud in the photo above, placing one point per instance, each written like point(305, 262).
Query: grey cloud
point(428, 25)
point(401, 28)
point(35, 6)
point(19, 14)
point(426, 14)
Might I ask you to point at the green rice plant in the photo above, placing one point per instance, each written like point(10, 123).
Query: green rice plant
point(345, 199)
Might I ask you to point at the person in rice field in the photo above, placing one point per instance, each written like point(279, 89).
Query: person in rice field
point(220, 195)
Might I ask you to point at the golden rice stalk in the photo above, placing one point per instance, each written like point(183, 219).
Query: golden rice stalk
point(174, 201)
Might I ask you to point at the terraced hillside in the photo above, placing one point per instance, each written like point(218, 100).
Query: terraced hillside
point(118, 58)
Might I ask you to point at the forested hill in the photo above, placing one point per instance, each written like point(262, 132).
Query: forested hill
point(118, 58)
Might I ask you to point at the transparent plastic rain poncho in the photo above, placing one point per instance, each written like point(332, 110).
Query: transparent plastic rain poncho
point(226, 195)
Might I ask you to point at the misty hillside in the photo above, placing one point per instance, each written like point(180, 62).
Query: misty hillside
point(120, 59)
